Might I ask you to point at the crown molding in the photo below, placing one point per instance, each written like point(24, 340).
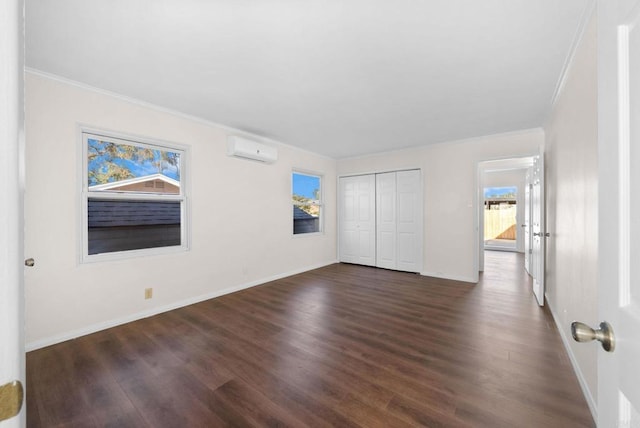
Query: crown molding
point(135, 101)
point(588, 12)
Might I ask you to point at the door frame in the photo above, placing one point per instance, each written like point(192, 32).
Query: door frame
point(12, 354)
point(538, 229)
point(528, 214)
point(495, 164)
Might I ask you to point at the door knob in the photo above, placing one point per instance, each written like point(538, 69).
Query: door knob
point(583, 333)
point(11, 397)
point(29, 262)
point(537, 234)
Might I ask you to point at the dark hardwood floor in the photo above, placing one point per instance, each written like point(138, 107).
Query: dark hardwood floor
point(339, 346)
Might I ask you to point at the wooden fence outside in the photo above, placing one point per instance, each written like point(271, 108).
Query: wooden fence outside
point(500, 224)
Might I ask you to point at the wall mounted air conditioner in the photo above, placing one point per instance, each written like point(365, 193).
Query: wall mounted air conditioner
point(244, 148)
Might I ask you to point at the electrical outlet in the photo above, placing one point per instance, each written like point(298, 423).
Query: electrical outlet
point(148, 293)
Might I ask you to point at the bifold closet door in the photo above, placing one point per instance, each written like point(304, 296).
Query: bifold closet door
point(409, 221)
point(386, 221)
point(380, 220)
point(357, 236)
point(399, 221)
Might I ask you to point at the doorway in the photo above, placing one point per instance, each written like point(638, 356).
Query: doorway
point(500, 218)
point(503, 185)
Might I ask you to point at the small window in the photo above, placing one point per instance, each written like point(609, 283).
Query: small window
point(307, 203)
point(133, 197)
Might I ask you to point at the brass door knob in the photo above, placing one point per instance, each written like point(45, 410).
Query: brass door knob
point(11, 397)
point(583, 333)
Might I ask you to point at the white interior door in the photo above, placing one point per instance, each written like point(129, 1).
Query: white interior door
point(12, 366)
point(357, 228)
point(526, 226)
point(537, 228)
point(409, 221)
point(480, 217)
point(619, 212)
point(386, 221)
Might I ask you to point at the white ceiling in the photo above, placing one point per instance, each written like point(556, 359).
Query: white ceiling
point(340, 78)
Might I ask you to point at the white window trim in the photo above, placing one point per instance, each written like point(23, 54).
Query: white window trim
point(320, 202)
point(85, 194)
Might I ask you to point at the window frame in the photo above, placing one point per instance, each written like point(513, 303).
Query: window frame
point(319, 202)
point(86, 133)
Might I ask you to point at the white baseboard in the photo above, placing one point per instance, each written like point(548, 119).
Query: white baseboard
point(93, 328)
point(452, 277)
point(593, 406)
point(499, 248)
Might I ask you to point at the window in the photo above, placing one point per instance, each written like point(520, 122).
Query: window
point(307, 203)
point(133, 197)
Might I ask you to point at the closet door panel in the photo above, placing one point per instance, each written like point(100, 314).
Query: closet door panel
point(409, 224)
point(366, 248)
point(348, 239)
point(367, 220)
point(406, 251)
point(386, 219)
point(357, 220)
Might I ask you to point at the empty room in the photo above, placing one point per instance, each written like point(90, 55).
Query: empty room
point(273, 213)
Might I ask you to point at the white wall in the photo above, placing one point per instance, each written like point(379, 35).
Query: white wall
point(572, 207)
point(450, 174)
point(241, 216)
point(514, 177)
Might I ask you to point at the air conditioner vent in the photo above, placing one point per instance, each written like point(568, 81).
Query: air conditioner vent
point(248, 149)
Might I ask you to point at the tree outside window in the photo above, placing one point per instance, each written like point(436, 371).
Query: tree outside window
point(307, 203)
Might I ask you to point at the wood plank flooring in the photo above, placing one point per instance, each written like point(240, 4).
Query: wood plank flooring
point(342, 346)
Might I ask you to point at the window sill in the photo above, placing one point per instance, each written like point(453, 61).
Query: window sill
point(302, 235)
point(132, 254)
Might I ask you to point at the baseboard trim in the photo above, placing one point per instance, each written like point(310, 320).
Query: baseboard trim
point(93, 328)
point(593, 407)
point(451, 277)
point(499, 248)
